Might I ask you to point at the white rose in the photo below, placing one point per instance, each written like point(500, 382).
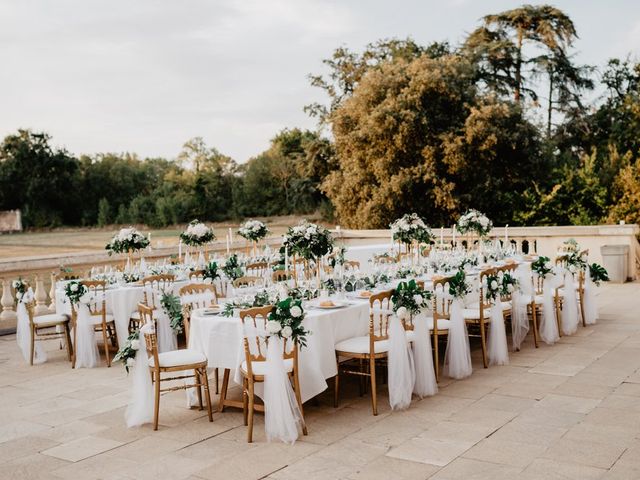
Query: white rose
point(510, 288)
point(572, 268)
point(135, 344)
point(296, 311)
point(402, 313)
point(131, 362)
point(287, 332)
point(494, 285)
point(418, 299)
point(16, 283)
point(273, 327)
point(73, 287)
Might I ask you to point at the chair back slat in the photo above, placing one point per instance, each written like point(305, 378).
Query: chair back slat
point(154, 286)
point(379, 314)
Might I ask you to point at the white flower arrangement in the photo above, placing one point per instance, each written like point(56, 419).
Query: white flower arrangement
point(474, 221)
point(411, 227)
point(253, 230)
point(197, 234)
point(308, 240)
point(127, 240)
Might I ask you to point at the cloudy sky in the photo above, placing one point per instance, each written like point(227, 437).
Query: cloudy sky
point(146, 75)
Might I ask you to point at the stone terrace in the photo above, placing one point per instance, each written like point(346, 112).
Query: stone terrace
point(570, 411)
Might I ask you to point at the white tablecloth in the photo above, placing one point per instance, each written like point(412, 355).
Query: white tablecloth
point(121, 302)
point(220, 339)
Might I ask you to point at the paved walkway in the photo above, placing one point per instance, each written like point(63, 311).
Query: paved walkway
point(570, 411)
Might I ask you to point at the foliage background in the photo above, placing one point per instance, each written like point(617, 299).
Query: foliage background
point(504, 122)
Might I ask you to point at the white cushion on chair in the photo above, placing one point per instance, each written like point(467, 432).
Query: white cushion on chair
point(443, 323)
point(52, 318)
point(258, 368)
point(361, 345)
point(176, 358)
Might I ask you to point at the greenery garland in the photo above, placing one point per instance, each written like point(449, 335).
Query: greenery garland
point(74, 290)
point(411, 297)
point(598, 273)
point(285, 321)
point(211, 271)
point(458, 286)
point(542, 266)
point(127, 353)
point(173, 308)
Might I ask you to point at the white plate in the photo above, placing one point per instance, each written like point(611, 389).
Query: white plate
point(330, 307)
point(211, 311)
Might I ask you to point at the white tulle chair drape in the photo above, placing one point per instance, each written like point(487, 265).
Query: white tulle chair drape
point(457, 358)
point(497, 348)
point(522, 296)
point(282, 417)
point(23, 331)
point(140, 408)
point(425, 377)
point(548, 324)
point(569, 305)
point(86, 347)
point(400, 366)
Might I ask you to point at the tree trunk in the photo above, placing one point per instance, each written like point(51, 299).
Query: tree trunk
point(519, 65)
point(550, 106)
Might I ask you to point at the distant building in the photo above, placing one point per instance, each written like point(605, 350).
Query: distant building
point(10, 221)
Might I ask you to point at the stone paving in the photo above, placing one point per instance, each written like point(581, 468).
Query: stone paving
point(568, 411)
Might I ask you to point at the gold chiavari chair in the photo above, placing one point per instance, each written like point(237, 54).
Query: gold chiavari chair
point(479, 317)
point(248, 281)
point(281, 276)
point(46, 327)
point(256, 269)
point(103, 322)
point(173, 362)
point(351, 264)
point(153, 288)
point(253, 368)
point(192, 297)
point(196, 276)
point(440, 320)
point(385, 259)
point(369, 348)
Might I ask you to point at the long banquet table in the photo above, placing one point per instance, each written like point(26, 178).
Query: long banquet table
point(221, 340)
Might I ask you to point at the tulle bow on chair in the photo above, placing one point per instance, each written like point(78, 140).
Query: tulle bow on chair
point(457, 359)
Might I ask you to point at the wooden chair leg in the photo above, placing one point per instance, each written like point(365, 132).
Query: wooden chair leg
point(483, 342)
point(436, 356)
point(198, 382)
point(106, 345)
point(67, 339)
point(207, 393)
point(245, 401)
point(559, 316)
point(372, 374)
point(75, 343)
point(215, 377)
point(336, 385)
point(223, 392)
point(156, 406)
point(534, 319)
point(296, 384)
point(251, 412)
point(581, 300)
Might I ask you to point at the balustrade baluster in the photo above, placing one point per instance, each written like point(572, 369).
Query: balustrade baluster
point(41, 298)
point(8, 314)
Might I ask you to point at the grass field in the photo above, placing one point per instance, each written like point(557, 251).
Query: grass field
point(67, 240)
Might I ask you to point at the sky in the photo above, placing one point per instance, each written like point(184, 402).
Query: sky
point(144, 76)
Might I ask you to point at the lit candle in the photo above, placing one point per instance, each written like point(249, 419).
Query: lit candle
point(227, 238)
point(180, 250)
point(506, 233)
point(286, 259)
point(230, 236)
point(453, 230)
point(441, 235)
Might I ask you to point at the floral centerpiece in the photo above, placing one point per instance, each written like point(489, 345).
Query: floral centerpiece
point(127, 240)
point(253, 230)
point(211, 271)
point(570, 245)
point(197, 234)
point(409, 299)
point(261, 299)
point(576, 262)
point(474, 221)
point(232, 268)
point(285, 321)
point(308, 240)
point(409, 228)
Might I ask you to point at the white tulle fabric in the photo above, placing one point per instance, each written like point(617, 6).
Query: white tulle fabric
point(86, 347)
point(497, 348)
point(425, 384)
point(140, 408)
point(457, 358)
point(590, 300)
point(548, 324)
point(23, 331)
point(521, 297)
point(569, 305)
point(400, 366)
point(167, 339)
point(282, 417)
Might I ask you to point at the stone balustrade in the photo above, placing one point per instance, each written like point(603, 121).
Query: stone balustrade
point(541, 240)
